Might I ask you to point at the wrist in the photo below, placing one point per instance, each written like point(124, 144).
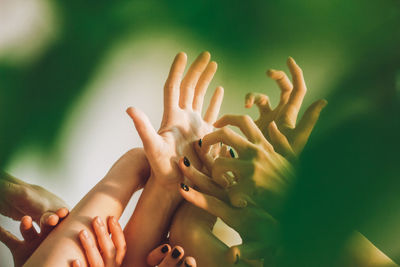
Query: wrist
point(165, 195)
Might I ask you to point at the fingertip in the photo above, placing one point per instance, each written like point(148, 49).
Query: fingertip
point(189, 262)
point(290, 61)
point(130, 111)
point(323, 103)
point(181, 55)
point(76, 263)
point(52, 220)
point(26, 222)
point(62, 212)
point(213, 65)
point(206, 54)
point(233, 255)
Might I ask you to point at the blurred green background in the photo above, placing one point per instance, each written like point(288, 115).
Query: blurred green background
point(68, 69)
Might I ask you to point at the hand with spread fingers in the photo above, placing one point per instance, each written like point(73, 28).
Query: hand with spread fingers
point(182, 122)
point(257, 174)
point(285, 114)
point(23, 249)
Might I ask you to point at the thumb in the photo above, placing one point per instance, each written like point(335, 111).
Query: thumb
point(146, 131)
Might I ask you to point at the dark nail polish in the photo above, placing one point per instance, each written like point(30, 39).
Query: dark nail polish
point(186, 161)
point(179, 262)
point(187, 264)
point(237, 258)
point(184, 187)
point(200, 142)
point(164, 249)
point(232, 152)
point(176, 253)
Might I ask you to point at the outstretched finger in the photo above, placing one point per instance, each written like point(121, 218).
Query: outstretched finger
point(28, 232)
point(306, 124)
point(92, 252)
point(104, 240)
point(284, 84)
point(280, 142)
point(118, 238)
point(171, 87)
point(145, 130)
point(191, 78)
point(209, 203)
point(10, 240)
point(292, 108)
point(202, 86)
point(245, 124)
point(158, 254)
point(214, 106)
point(200, 180)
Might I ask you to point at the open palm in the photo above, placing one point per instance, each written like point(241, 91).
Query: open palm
point(182, 123)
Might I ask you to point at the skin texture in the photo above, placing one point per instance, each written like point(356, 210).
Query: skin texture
point(109, 251)
point(274, 124)
point(108, 198)
point(182, 124)
point(18, 199)
point(23, 249)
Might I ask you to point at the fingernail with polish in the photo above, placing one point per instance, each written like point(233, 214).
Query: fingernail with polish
point(164, 249)
point(176, 253)
point(200, 142)
point(232, 152)
point(237, 258)
point(186, 161)
point(184, 187)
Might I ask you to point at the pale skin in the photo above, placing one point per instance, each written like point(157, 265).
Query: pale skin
point(182, 124)
point(23, 249)
point(109, 251)
point(107, 199)
point(287, 111)
point(18, 199)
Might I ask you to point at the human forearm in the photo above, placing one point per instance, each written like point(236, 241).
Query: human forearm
point(150, 222)
point(108, 198)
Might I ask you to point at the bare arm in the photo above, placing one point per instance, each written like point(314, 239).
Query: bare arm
point(108, 198)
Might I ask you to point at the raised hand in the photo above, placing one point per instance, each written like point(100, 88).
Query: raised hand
point(285, 114)
point(23, 249)
point(182, 122)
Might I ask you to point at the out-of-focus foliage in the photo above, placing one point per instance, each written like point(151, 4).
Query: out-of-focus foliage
point(346, 175)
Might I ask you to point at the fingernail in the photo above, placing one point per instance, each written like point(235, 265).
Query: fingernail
point(176, 253)
point(186, 161)
point(324, 103)
point(187, 264)
point(200, 142)
point(242, 203)
point(184, 187)
point(85, 234)
point(237, 258)
point(232, 152)
point(164, 249)
point(99, 221)
point(77, 263)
